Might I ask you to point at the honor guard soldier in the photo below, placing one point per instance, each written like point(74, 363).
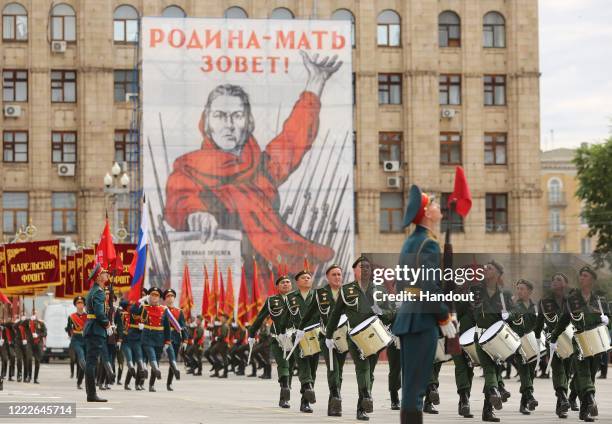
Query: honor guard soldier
point(523, 320)
point(197, 348)
point(261, 352)
point(325, 300)
point(132, 345)
point(97, 329)
point(177, 336)
point(551, 308)
point(156, 333)
point(237, 337)
point(8, 350)
point(24, 351)
point(275, 307)
point(74, 328)
point(106, 365)
point(417, 322)
point(588, 311)
point(299, 301)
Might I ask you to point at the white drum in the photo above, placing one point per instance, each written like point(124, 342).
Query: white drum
point(371, 336)
point(499, 341)
point(341, 335)
point(468, 344)
point(310, 342)
point(441, 355)
point(565, 345)
point(530, 346)
point(593, 342)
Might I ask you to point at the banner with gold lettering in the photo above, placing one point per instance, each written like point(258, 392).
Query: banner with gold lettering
point(70, 274)
point(89, 259)
point(59, 289)
point(121, 282)
point(78, 274)
point(32, 265)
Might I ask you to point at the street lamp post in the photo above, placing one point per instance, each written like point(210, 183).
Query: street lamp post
point(116, 187)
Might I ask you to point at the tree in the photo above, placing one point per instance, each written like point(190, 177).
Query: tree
point(594, 166)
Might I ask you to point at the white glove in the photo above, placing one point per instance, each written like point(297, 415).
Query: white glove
point(605, 320)
point(505, 315)
point(251, 341)
point(143, 299)
point(24, 342)
point(553, 347)
point(1, 342)
point(183, 345)
point(299, 335)
point(329, 343)
point(34, 335)
point(141, 326)
point(448, 330)
point(165, 347)
point(109, 330)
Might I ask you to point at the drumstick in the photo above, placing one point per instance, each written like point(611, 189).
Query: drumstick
point(297, 342)
point(600, 308)
point(548, 367)
point(503, 301)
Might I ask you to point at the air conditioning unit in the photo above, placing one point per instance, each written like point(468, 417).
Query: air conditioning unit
point(394, 182)
point(66, 169)
point(58, 46)
point(12, 111)
point(130, 96)
point(448, 113)
point(391, 165)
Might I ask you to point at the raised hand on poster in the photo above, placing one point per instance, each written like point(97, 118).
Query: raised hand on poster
point(319, 71)
point(204, 223)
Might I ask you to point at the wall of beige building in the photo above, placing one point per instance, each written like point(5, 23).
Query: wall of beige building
point(95, 115)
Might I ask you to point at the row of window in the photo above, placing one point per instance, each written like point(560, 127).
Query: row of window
point(125, 24)
point(16, 206)
point(64, 146)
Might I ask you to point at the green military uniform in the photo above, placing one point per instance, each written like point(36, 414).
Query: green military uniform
point(523, 320)
point(464, 369)
point(550, 311)
point(584, 314)
point(325, 299)
point(298, 304)
point(276, 308)
point(8, 350)
point(23, 351)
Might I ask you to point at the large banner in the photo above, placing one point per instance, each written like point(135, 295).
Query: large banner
point(32, 265)
point(247, 146)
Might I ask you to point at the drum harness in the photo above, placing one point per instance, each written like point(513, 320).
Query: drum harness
point(352, 304)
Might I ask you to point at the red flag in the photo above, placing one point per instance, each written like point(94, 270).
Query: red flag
point(461, 194)
point(306, 265)
point(229, 295)
point(271, 285)
point(186, 303)
point(256, 300)
point(243, 301)
point(4, 299)
point(205, 296)
point(212, 304)
point(221, 298)
point(105, 252)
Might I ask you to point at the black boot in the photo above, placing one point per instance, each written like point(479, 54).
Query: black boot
point(305, 406)
point(308, 393)
point(110, 374)
point(80, 375)
point(169, 381)
point(285, 392)
point(152, 382)
point(139, 384)
point(253, 371)
point(524, 408)
point(36, 370)
point(487, 412)
point(367, 403)
point(155, 371)
point(411, 417)
point(464, 404)
point(90, 387)
point(334, 403)
point(494, 398)
point(505, 394)
point(562, 403)
point(433, 395)
point(585, 414)
point(361, 413)
point(572, 400)
point(225, 371)
point(532, 403)
point(395, 402)
point(128, 379)
point(119, 373)
point(591, 404)
point(174, 368)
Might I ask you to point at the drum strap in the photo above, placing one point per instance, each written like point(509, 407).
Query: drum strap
point(354, 303)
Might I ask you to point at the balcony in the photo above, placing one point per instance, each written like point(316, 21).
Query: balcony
point(557, 199)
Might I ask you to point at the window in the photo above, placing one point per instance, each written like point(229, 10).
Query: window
point(63, 147)
point(494, 90)
point(126, 81)
point(235, 12)
point(457, 220)
point(64, 212)
point(63, 23)
point(173, 12)
point(126, 146)
point(449, 29)
point(15, 85)
point(14, 211)
point(450, 148)
point(389, 146)
point(14, 23)
point(125, 24)
point(15, 146)
point(555, 245)
point(450, 89)
point(494, 30)
point(585, 246)
point(554, 221)
point(354, 148)
point(495, 148)
point(281, 13)
point(63, 86)
point(496, 212)
point(346, 15)
point(554, 190)
point(389, 29)
point(128, 214)
point(391, 209)
point(389, 89)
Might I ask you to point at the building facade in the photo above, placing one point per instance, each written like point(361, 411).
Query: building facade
point(436, 84)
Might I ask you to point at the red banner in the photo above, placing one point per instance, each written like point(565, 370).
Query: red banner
point(89, 259)
point(78, 274)
point(32, 265)
point(59, 289)
point(121, 281)
point(70, 276)
point(2, 268)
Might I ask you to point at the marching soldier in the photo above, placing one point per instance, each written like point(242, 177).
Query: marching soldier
point(97, 329)
point(132, 345)
point(197, 346)
point(261, 353)
point(237, 336)
point(106, 365)
point(523, 320)
point(156, 333)
point(275, 307)
point(8, 350)
point(19, 346)
point(418, 323)
point(325, 299)
point(25, 350)
point(74, 328)
point(551, 308)
point(586, 310)
point(299, 301)
point(177, 336)
point(219, 347)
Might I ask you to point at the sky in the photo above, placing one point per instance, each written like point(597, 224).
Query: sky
point(576, 67)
